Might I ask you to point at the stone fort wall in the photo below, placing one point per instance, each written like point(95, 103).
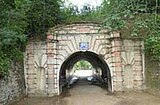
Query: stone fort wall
point(13, 88)
point(43, 60)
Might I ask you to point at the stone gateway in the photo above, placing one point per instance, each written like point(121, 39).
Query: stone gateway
point(47, 62)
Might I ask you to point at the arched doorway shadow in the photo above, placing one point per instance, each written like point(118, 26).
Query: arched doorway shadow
point(96, 60)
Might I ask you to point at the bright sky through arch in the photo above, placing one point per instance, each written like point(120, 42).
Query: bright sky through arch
point(80, 3)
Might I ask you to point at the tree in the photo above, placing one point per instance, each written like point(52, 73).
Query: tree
point(135, 18)
point(82, 65)
point(42, 15)
point(87, 13)
point(12, 38)
point(22, 18)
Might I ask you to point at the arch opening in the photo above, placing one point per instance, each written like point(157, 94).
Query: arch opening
point(82, 69)
point(99, 67)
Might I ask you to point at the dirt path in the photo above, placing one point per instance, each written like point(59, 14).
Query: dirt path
point(86, 94)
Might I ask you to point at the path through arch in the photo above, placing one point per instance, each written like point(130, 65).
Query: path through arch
point(96, 61)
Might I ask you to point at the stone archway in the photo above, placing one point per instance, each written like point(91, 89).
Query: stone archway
point(44, 59)
point(96, 60)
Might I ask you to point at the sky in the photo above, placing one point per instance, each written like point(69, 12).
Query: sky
point(80, 3)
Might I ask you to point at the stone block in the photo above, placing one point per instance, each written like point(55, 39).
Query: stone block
point(50, 51)
point(117, 43)
point(137, 68)
point(30, 56)
point(51, 55)
point(103, 31)
point(52, 93)
point(137, 43)
point(118, 69)
point(50, 72)
point(138, 58)
point(115, 34)
point(118, 64)
point(137, 48)
point(116, 54)
point(49, 45)
point(50, 36)
point(128, 48)
point(138, 78)
point(30, 67)
point(138, 83)
point(31, 91)
point(31, 77)
point(51, 76)
point(30, 83)
point(128, 43)
point(30, 51)
point(118, 79)
point(83, 30)
point(50, 67)
point(137, 72)
point(118, 86)
point(93, 31)
point(138, 64)
point(116, 49)
point(117, 59)
point(72, 31)
point(30, 71)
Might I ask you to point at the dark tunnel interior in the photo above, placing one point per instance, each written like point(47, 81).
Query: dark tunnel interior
point(94, 59)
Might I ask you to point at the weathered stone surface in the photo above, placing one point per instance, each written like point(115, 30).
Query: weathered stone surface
point(14, 87)
point(123, 57)
point(118, 86)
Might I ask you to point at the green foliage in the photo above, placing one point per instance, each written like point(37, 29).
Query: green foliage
point(82, 65)
point(12, 38)
point(138, 18)
point(41, 15)
point(87, 13)
point(153, 47)
point(4, 64)
point(22, 18)
point(125, 14)
point(152, 42)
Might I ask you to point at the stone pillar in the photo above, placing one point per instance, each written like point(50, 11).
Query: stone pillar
point(138, 66)
point(116, 62)
point(51, 65)
point(30, 73)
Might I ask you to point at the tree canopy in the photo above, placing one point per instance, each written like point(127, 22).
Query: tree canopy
point(20, 19)
point(41, 15)
point(136, 18)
